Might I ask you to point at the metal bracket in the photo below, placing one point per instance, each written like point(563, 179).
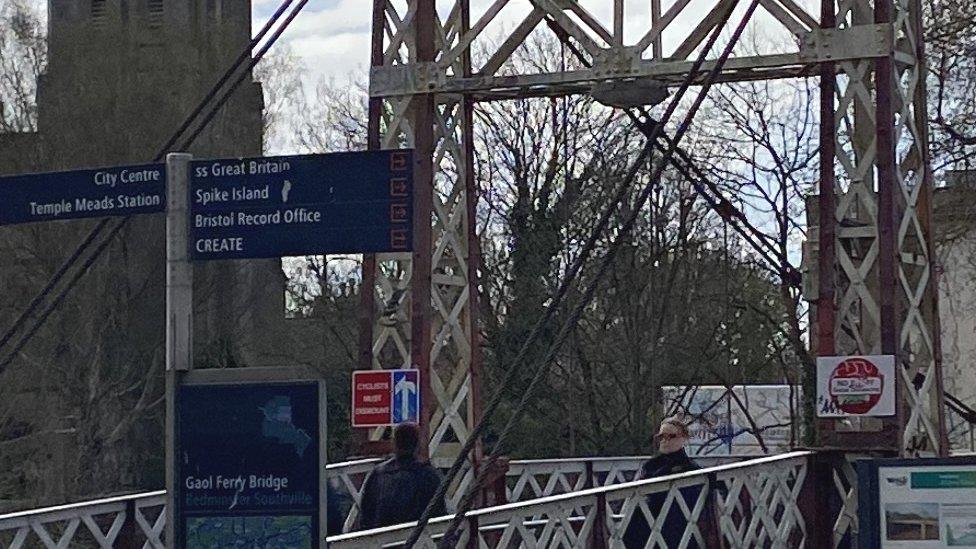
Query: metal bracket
point(412, 79)
point(617, 62)
point(859, 42)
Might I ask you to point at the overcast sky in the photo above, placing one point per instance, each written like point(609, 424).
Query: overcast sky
point(332, 36)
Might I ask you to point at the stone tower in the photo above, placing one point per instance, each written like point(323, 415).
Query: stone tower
point(121, 76)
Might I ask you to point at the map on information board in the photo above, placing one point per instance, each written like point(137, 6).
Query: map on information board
point(248, 467)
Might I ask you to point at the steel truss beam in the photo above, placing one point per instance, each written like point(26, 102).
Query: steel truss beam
point(865, 41)
point(424, 84)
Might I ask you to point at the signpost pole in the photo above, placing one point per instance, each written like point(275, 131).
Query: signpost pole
point(179, 315)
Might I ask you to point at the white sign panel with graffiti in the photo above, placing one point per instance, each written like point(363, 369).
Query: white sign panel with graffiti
point(855, 386)
point(746, 420)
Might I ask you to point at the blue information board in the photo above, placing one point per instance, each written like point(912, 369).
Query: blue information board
point(248, 465)
point(356, 202)
point(118, 191)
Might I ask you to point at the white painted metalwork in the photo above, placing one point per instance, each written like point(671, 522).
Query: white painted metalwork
point(749, 504)
point(845, 483)
point(863, 169)
point(103, 520)
point(660, 45)
point(100, 522)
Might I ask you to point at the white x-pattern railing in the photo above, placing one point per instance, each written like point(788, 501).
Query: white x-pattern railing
point(554, 503)
point(525, 479)
point(748, 504)
point(131, 521)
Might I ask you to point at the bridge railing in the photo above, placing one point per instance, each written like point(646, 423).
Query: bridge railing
point(524, 480)
point(750, 504)
point(138, 520)
point(131, 521)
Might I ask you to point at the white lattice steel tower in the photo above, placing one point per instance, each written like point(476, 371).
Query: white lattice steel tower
point(877, 285)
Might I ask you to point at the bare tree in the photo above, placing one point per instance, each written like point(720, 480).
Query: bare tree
point(950, 42)
point(23, 55)
point(280, 73)
point(334, 116)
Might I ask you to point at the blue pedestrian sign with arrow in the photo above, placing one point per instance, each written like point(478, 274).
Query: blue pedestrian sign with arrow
point(406, 396)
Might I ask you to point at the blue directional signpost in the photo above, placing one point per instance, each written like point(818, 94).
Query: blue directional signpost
point(245, 462)
point(357, 202)
point(118, 191)
point(251, 464)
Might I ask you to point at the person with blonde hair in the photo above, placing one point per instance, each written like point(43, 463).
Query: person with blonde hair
point(671, 459)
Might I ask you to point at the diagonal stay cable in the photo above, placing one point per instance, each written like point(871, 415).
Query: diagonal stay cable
point(709, 192)
point(58, 275)
point(761, 243)
point(94, 233)
point(568, 326)
point(244, 74)
point(188, 121)
point(556, 301)
point(60, 297)
point(122, 223)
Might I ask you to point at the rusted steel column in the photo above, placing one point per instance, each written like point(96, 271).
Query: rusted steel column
point(129, 535)
point(590, 480)
point(710, 525)
point(826, 266)
point(826, 317)
point(924, 208)
point(473, 533)
point(474, 244)
point(888, 187)
point(367, 289)
point(367, 293)
point(814, 501)
point(420, 281)
point(598, 536)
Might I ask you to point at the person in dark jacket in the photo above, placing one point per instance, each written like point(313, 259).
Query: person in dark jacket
point(671, 459)
point(399, 489)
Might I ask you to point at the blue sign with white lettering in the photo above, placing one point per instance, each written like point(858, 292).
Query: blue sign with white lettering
point(406, 396)
point(248, 469)
point(356, 202)
point(118, 191)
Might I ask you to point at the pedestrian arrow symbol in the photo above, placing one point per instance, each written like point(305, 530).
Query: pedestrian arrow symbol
point(406, 396)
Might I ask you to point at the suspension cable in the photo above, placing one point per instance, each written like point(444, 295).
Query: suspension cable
point(760, 242)
point(590, 291)
point(556, 301)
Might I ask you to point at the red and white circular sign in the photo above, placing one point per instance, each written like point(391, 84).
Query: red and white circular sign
point(856, 385)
